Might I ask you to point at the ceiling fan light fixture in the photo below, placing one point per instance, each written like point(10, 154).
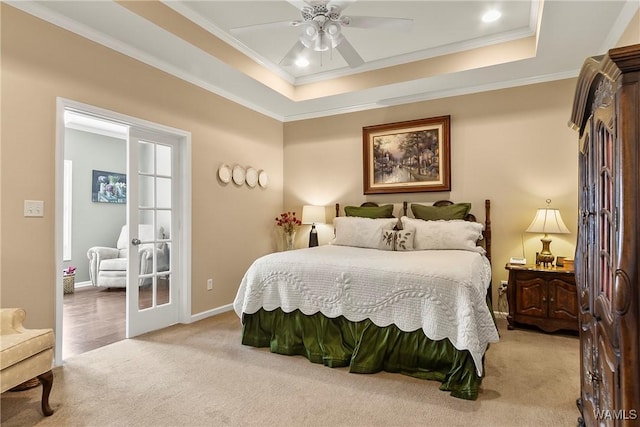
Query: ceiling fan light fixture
point(332, 29)
point(322, 23)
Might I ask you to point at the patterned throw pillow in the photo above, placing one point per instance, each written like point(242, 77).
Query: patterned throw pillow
point(396, 240)
point(404, 240)
point(387, 240)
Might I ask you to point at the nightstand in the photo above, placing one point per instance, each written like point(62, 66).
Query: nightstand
point(542, 297)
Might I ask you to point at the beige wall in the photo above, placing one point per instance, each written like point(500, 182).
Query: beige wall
point(511, 146)
point(231, 225)
point(632, 33)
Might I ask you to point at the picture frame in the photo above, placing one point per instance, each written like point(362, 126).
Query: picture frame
point(407, 157)
point(108, 187)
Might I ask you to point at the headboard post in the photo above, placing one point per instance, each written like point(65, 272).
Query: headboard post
point(487, 227)
point(404, 208)
point(337, 210)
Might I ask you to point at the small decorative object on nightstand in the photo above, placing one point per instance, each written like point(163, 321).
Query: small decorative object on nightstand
point(289, 223)
point(313, 215)
point(547, 221)
point(542, 297)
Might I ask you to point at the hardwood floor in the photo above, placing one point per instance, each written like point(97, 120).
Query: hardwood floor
point(95, 317)
point(92, 318)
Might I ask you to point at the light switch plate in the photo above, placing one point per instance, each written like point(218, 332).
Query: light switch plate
point(34, 208)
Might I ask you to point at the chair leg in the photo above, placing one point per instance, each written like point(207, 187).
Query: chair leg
point(46, 380)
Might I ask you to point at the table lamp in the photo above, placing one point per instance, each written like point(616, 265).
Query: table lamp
point(547, 221)
point(313, 215)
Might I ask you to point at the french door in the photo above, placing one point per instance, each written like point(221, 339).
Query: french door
point(158, 218)
point(153, 168)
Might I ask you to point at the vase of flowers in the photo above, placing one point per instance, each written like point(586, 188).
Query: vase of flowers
point(289, 224)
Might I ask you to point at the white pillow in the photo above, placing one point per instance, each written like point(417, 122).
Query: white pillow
point(360, 232)
point(441, 234)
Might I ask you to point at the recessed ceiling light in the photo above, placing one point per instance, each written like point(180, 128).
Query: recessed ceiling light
point(302, 62)
point(492, 15)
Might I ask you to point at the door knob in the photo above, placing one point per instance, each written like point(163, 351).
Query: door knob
point(135, 241)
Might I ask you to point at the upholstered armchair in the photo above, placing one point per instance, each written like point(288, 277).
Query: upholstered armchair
point(108, 266)
point(25, 354)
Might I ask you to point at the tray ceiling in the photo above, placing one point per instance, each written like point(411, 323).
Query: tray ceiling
point(448, 51)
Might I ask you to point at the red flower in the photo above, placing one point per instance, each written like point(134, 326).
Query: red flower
point(288, 222)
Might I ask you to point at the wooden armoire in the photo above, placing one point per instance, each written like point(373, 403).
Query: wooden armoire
point(606, 113)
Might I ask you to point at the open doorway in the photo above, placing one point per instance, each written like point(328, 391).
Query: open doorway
point(122, 227)
point(94, 212)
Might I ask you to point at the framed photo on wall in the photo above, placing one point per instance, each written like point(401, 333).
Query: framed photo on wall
point(108, 187)
point(407, 157)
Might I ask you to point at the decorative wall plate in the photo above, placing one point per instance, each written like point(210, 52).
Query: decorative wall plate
point(252, 177)
point(224, 173)
point(263, 179)
point(238, 175)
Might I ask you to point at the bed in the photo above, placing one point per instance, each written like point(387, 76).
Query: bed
point(407, 295)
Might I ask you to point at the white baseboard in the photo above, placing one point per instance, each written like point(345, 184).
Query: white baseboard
point(212, 312)
point(77, 285)
point(500, 314)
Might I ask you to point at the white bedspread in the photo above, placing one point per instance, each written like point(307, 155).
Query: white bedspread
point(442, 292)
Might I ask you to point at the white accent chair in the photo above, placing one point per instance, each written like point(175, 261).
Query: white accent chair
point(108, 266)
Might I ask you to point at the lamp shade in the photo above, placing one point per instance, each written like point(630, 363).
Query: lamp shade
point(313, 214)
point(548, 221)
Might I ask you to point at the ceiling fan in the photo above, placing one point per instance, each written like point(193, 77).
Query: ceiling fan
point(322, 22)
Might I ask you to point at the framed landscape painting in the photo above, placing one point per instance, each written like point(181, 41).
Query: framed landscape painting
point(407, 157)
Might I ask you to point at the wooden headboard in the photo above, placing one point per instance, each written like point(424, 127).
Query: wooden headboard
point(486, 233)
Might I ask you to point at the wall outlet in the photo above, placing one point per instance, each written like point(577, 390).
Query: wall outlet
point(503, 287)
point(209, 284)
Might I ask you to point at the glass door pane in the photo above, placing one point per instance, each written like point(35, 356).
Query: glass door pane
point(154, 216)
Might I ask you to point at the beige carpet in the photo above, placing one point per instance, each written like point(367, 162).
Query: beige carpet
point(200, 374)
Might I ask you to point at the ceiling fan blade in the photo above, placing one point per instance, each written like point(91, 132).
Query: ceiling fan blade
point(403, 24)
point(292, 55)
point(265, 26)
point(299, 4)
point(341, 4)
point(349, 53)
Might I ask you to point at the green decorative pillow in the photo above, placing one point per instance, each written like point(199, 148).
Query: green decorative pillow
point(434, 213)
point(384, 211)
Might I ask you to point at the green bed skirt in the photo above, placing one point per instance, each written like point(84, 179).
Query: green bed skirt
point(364, 347)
